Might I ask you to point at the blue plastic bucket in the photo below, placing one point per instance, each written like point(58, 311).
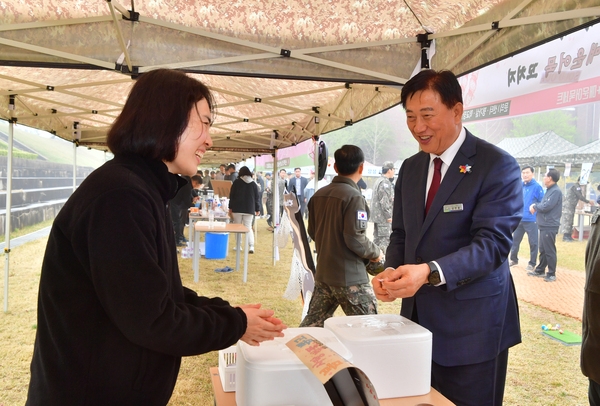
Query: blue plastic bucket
point(216, 245)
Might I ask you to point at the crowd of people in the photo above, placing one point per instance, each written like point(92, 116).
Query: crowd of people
point(545, 215)
point(112, 310)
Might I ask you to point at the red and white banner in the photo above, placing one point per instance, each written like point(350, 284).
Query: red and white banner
point(561, 73)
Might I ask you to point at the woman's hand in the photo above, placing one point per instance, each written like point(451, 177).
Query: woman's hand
point(262, 325)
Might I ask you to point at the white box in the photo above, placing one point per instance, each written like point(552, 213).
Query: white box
point(272, 375)
point(394, 352)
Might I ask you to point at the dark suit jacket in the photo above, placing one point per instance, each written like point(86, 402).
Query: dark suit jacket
point(303, 183)
point(474, 316)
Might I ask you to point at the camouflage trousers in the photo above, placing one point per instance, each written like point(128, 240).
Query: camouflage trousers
point(566, 220)
point(354, 300)
point(381, 235)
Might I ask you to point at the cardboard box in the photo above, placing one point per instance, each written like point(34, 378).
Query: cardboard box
point(394, 352)
point(272, 375)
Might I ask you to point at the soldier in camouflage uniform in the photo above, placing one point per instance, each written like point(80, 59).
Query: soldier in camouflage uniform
point(337, 222)
point(574, 194)
point(383, 204)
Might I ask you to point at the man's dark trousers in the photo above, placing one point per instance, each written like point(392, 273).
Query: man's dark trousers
point(547, 250)
point(529, 227)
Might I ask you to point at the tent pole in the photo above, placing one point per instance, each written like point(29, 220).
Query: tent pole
point(7, 219)
point(255, 222)
point(74, 166)
point(275, 208)
point(316, 159)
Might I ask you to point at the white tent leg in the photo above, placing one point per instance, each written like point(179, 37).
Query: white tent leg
point(74, 166)
point(275, 209)
point(9, 157)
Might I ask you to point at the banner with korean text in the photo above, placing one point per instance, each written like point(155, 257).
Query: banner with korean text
point(558, 74)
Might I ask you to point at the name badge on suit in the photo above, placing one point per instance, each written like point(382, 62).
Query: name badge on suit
point(450, 208)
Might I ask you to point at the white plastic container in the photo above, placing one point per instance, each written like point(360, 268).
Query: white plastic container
point(394, 352)
point(227, 362)
point(272, 375)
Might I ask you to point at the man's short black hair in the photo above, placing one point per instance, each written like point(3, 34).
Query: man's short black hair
point(386, 167)
point(348, 159)
point(197, 179)
point(554, 174)
point(441, 82)
point(528, 167)
point(231, 166)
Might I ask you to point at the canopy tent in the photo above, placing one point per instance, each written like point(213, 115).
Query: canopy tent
point(282, 72)
point(549, 149)
point(538, 149)
point(586, 153)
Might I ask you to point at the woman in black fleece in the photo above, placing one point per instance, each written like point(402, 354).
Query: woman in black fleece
point(113, 317)
point(244, 202)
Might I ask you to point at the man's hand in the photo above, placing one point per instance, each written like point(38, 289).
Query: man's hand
point(379, 258)
point(532, 208)
point(380, 292)
point(401, 282)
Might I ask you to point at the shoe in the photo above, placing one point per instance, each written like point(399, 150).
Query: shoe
point(567, 238)
point(529, 268)
point(251, 250)
point(513, 263)
point(549, 278)
point(534, 273)
point(270, 229)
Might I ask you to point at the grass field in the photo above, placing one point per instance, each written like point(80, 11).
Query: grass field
point(541, 371)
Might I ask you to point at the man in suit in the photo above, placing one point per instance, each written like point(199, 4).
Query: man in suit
point(297, 185)
point(448, 252)
point(590, 345)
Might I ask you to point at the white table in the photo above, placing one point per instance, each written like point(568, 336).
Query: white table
point(581, 214)
point(237, 229)
point(196, 216)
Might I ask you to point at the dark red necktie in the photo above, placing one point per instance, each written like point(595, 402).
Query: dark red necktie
point(435, 183)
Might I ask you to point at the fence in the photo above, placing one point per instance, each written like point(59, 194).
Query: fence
point(39, 190)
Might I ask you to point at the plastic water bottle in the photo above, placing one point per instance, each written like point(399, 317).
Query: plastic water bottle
point(204, 209)
point(211, 217)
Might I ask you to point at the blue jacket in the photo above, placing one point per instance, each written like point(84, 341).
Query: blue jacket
point(532, 193)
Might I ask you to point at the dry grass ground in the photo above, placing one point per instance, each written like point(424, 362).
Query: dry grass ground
point(541, 371)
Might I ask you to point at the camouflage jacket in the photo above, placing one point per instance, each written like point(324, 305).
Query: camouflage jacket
point(574, 194)
point(382, 202)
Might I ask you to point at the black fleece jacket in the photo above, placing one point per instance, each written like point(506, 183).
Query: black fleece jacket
point(244, 197)
point(113, 317)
